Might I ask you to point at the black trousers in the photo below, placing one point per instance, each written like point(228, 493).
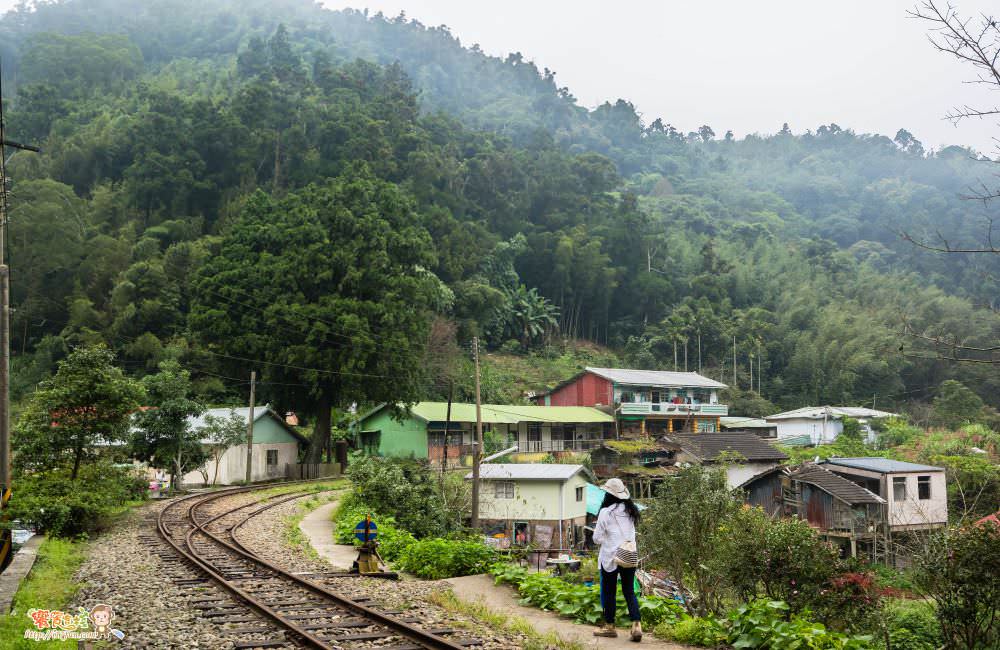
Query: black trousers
point(609, 589)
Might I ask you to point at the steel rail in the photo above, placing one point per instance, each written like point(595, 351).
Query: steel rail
point(414, 634)
point(257, 605)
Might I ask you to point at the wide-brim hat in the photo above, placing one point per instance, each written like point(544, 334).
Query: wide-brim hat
point(615, 487)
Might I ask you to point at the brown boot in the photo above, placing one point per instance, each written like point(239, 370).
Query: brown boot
point(636, 634)
point(607, 630)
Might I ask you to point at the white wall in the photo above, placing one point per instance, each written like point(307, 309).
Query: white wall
point(914, 511)
point(233, 468)
point(813, 428)
point(737, 473)
point(534, 500)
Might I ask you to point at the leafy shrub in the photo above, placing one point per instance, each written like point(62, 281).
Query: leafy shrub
point(760, 625)
point(852, 602)
point(763, 624)
point(693, 630)
point(958, 569)
point(443, 558)
point(782, 559)
point(912, 626)
point(392, 539)
point(404, 489)
point(577, 601)
point(62, 507)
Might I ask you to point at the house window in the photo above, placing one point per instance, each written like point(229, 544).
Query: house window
point(579, 493)
point(627, 397)
point(655, 397)
point(272, 456)
point(370, 442)
point(924, 487)
point(706, 426)
point(503, 489)
point(899, 488)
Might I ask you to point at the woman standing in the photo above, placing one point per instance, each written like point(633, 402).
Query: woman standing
point(616, 523)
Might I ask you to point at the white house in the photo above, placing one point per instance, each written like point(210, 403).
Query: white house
point(544, 504)
point(275, 445)
point(742, 454)
point(916, 495)
point(822, 424)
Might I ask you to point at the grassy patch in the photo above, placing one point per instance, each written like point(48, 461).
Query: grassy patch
point(49, 585)
point(322, 486)
point(293, 534)
point(500, 622)
point(539, 371)
point(632, 446)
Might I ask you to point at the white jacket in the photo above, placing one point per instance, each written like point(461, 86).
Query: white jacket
point(614, 527)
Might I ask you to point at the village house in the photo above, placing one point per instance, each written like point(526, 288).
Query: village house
point(645, 402)
point(742, 454)
point(820, 425)
point(758, 426)
point(275, 447)
point(641, 463)
point(916, 496)
point(542, 504)
point(842, 511)
point(419, 431)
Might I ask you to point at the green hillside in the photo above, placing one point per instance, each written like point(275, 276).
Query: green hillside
point(304, 192)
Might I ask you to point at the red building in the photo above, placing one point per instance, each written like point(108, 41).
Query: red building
point(645, 402)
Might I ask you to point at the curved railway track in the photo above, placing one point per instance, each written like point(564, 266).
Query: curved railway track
point(290, 610)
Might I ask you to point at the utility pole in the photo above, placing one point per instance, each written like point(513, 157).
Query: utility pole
point(253, 385)
point(477, 450)
point(6, 549)
point(447, 429)
point(734, 361)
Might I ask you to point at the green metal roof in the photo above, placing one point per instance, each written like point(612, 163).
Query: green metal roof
point(507, 414)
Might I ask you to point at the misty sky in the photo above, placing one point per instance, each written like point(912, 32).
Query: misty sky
point(732, 64)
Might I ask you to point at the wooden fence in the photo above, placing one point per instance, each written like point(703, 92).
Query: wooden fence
point(312, 470)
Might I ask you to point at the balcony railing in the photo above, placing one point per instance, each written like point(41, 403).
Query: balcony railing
point(558, 445)
point(669, 408)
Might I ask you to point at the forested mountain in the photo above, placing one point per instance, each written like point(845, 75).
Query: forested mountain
point(244, 182)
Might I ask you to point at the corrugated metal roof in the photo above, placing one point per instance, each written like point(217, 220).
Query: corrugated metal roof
point(838, 486)
point(507, 414)
point(664, 378)
point(733, 422)
point(883, 465)
point(708, 446)
point(528, 471)
point(197, 422)
point(834, 412)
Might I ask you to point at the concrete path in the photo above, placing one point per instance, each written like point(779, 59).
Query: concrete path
point(19, 567)
point(503, 599)
point(318, 529)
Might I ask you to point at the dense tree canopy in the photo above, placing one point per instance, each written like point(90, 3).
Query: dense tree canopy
point(274, 186)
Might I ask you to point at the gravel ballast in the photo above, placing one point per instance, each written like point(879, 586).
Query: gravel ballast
point(160, 602)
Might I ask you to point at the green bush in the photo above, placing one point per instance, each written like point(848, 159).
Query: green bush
point(61, 507)
point(693, 630)
point(760, 625)
point(393, 540)
point(782, 559)
point(438, 558)
point(577, 601)
point(763, 624)
point(912, 626)
point(404, 489)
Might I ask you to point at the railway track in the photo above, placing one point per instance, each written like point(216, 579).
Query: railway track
point(276, 608)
